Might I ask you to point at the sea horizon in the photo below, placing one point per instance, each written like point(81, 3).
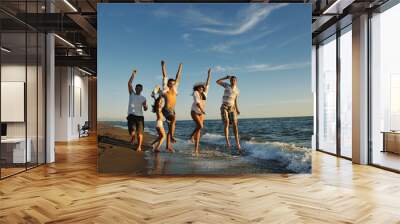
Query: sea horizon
point(213, 119)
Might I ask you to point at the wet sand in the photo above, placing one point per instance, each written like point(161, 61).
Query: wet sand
point(116, 154)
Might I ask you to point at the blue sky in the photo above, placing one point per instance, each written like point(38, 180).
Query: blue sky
point(267, 46)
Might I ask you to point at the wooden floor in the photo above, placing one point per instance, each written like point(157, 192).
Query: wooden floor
point(71, 191)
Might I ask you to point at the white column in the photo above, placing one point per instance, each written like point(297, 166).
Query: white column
point(50, 99)
point(360, 90)
point(63, 99)
point(50, 92)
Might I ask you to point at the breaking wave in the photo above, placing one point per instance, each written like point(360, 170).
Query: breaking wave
point(297, 159)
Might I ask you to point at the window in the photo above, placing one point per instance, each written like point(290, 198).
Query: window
point(327, 95)
point(346, 92)
point(22, 88)
point(385, 88)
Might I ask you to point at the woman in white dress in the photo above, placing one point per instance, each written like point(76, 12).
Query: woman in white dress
point(200, 91)
point(157, 109)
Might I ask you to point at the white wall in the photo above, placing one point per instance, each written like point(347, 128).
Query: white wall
point(62, 81)
point(80, 115)
point(70, 83)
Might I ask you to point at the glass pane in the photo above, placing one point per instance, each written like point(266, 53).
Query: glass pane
point(13, 86)
point(32, 87)
point(327, 95)
point(346, 93)
point(31, 98)
point(386, 89)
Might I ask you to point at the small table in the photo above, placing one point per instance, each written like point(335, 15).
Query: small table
point(13, 150)
point(391, 141)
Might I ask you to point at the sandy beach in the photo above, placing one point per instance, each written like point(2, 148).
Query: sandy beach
point(116, 154)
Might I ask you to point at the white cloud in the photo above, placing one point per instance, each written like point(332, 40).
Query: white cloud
point(186, 36)
point(187, 39)
point(219, 68)
point(246, 18)
point(251, 17)
point(226, 47)
point(194, 17)
point(222, 48)
point(190, 17)
point(260, 67)
point(269, 67)
point(291, 40)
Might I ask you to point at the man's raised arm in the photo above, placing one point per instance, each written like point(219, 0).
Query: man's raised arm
point(208, 80)
point(130, 88)
point(164, 69)
point(221, 80)
point(178, 74)
point(164, 75)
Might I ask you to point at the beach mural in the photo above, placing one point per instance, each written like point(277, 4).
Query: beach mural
point(204, 89)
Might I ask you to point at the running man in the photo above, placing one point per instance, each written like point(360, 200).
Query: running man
point(170, 90)
point(135, 118)
point(229, 108)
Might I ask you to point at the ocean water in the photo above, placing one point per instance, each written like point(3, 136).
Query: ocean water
point(272, 145)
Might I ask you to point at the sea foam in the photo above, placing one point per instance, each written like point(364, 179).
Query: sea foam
point(297, 159)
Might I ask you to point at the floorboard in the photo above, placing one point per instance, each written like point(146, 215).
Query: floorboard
point(71, 191)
